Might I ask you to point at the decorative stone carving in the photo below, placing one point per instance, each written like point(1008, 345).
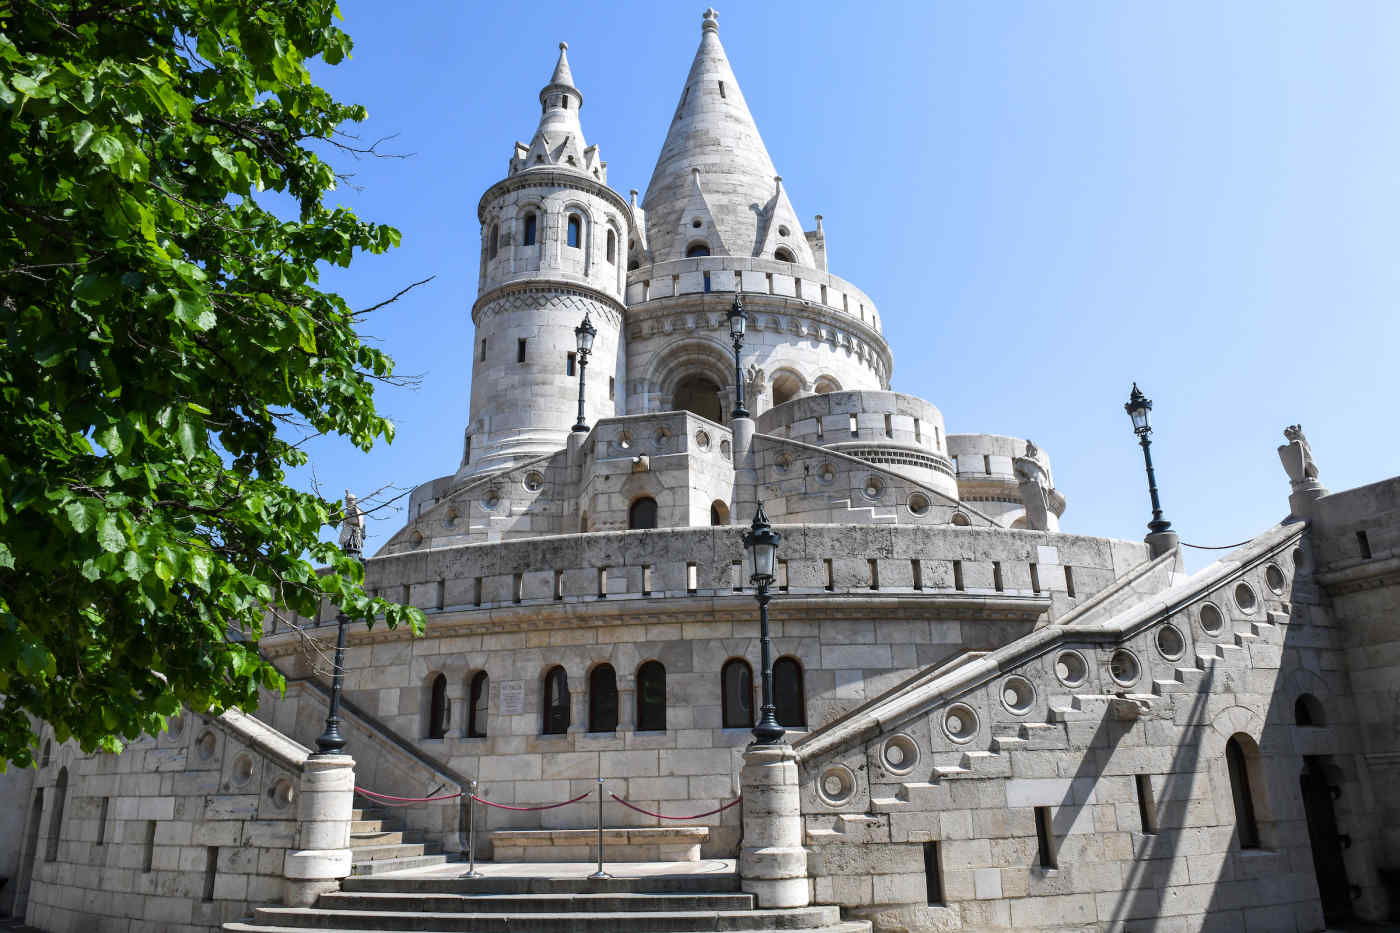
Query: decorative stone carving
point(1296, 457)
point(1034, 486)
point(352, 528)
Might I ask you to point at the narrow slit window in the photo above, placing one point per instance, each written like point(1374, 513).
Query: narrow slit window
point(933, 873)
point(692, 581)
point(517, 588)
point(721, 89)
point(148, 856)
point(575, 231)
point(996, 576)
point(602, 582)
point(986, 463)
point(1147, 810)
point(769, 276)
point(570, 364)
point(211, 871)
point(707, 282)
point(889, 426)
point(520, 350)
point(1069, 581)
point(483, 349)
point(830, 575)
point(736, 575)
point(1044, 837)
point(558, 584)
point(855, 426)
point(874, 573)
point(824, 294)
point(937, 438)
point(782, 576)
point(528, 238)
point(102, 821)
point(819, 426)
point(918, 433)
point(957, 575)
point(476, 592)
point(797, 286)
point(1035, 579)
point(441, 600)
point(646, 579)
point(612, 388)
point(917, 568)
point(1364, 543)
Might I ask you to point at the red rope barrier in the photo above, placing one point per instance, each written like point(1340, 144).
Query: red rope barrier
point(662, 816)
point(370, 793)
point(548, 806)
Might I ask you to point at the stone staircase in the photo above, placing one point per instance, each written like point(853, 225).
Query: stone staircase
point(376, 848)
point(1085, 710)
point(654, 904)
point(856, 514)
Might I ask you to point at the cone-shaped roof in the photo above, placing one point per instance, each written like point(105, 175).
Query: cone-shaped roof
point(562, 75)
point(558, 141)
point(713, 132)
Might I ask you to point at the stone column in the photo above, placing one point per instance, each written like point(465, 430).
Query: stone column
point(772, 862)
point(325, 797)
point(744, 499)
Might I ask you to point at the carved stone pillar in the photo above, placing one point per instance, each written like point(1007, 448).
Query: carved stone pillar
point(325, 797)
point(772, 862)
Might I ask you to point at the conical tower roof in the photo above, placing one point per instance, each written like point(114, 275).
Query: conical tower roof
point(714, 133)
point(558, 141)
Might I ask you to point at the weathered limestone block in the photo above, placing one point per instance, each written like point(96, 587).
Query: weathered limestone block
point(772, 862)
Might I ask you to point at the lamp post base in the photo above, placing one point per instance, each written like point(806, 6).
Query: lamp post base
point(1162, 542)
point(772, 862)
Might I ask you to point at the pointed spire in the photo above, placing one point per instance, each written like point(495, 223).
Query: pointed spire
point(558, 141)
point(714, 132)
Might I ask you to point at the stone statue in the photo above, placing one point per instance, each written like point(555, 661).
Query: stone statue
point(1300, 464)
point(352, 527)
point(1032, 451)
point(1034, 488)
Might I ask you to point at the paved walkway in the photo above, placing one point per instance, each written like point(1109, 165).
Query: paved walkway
point(712, 866)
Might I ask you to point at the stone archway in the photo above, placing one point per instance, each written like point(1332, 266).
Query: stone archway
point(696, 376)
point(698, 393)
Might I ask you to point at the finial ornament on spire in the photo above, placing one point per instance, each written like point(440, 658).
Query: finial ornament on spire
point(710, 21)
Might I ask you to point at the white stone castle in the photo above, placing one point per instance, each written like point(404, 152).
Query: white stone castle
point(990, 724)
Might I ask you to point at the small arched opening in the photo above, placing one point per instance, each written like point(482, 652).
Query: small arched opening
point(786, 386)
point(788, 696)
point(695, 250)
point(699, 395)
point(602, 699)
point(439, 710)
point(575, 231)
point(826, 384)
point(651, 697)
point(719, 512)
point(527, 234)
point(556, 702)
point(612, 246)
point(736, 694)
point(642, 514)
point(60, 797)
point(783, 254)
point(478, 705)
point(1307, 711)
point(493, 246)
point(1242, 763)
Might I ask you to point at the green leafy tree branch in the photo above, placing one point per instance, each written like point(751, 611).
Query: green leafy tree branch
point(160, 332)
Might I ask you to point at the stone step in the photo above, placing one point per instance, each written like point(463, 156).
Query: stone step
point(844, 926)
point(655, 884)
point(316, 918)
point(1005, 743)
point(368, 813)
point(366, 826)
point(394, 850)
point(384, 866)
point(381, 837)
point(621, 902)
point(987, 764)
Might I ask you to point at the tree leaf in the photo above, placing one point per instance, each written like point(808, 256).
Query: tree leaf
point(110, 536)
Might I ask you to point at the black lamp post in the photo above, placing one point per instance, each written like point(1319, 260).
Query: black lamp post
point(1139, 408)
point(738, 323)
point(583, 336)
point(352, 541)
point(762, 544)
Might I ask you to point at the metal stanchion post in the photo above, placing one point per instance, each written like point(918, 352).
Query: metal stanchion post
point(600, 874)
point(471, 831)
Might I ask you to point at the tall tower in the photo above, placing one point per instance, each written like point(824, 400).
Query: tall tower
point(553, 248)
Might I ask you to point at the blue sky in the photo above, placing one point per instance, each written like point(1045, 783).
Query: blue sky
point(1046, 201)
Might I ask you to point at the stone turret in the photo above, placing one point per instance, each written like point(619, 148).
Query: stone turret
point(552, 250)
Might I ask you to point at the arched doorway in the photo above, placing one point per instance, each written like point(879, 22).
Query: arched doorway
point(700, 395)
point(642, 514)
point(1326, 841)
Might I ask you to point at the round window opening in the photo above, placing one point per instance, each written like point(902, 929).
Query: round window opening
point(1212, 622)
point(784, 463)
point(826, 473)
point(919, 504)
point(1274, 577)
point(961, 520)
point(837, 785)
point(702, 440)
point(1071, 669)
point(624, 440)
point(960, 723)
point(899, 754)
point(1017, 695)
point(782, 231)
point(1170, 642)
point(242, 770)
point(282, 793)
point(695, 222)
point(534, 481)
point(1123, 668)
point(724, 449)
point(206, 745)
point(874, 487)
point(1245, 598)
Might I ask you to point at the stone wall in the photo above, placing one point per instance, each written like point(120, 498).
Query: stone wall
point(922, 811)
point(183, 831)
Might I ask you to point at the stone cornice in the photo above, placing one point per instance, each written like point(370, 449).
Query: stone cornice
point(549, 286)
point(574, 613)
point(1366, 575)
point(550, 178)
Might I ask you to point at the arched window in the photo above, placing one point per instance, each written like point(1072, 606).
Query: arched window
point(736, 694)
point(60, 796)
point(528, 237)
point(602, 699)
point(783, 254)
point(642, 514)
point(439, 712)
point(495, 240)
point(788, 696)
point(612, 246)
point(575, 231)
point(651, 697)
point(697, 249)
point(478, 705)
point(719, 512)
point(826, 384)
point(786, 385)
point(1241, 764)
point(1308, 711)
point(556, 702)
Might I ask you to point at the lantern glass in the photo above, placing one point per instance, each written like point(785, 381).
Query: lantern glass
point(738, 320)
point(585, 333)
point(1141, 422)
point(763, 553)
